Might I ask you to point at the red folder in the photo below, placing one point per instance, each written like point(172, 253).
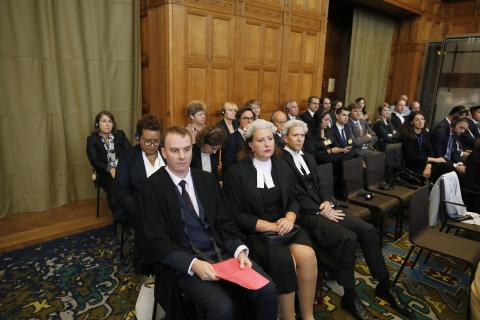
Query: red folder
point(247, 277)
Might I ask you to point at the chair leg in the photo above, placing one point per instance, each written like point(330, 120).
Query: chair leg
point(122, 233)
point(380, 237)
point(456, 232)
point(427, 257)
point(98, 201)
point(416, 258)
point(448, 229)
point(403, 265)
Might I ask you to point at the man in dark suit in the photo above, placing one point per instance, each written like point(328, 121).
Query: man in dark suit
point(187, 228)
point(471, 135)
point(364, 138)
point(236, 141)
point(291, 109)
point(313, 103)
point(334, 231)
point(397, 118)
point(279, 118)
point(447, 143)
point(340, 133)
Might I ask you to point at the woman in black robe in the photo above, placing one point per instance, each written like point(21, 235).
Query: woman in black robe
point(260, 191)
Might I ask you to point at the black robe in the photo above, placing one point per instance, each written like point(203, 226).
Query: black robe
point(161, 223)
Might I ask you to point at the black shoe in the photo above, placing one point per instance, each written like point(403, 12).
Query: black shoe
point(358, 310)
point(392, 297)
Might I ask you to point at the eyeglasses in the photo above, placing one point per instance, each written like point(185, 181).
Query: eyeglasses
point(246, 118)
point(150, 143)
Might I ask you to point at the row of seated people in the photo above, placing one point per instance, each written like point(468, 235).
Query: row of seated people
point(264, 193)
point(148, 134)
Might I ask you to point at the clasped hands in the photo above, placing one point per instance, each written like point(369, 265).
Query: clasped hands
point(205, 271)
point(328, 212)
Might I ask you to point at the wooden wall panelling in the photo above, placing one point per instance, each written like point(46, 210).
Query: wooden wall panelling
point(258, 37)
point(203, 59)
point(303, 50)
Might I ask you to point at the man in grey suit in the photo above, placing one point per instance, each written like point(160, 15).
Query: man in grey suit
point(364, 138)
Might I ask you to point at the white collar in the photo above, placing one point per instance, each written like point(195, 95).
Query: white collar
point(311, 112)
point(149, 168)
point(448, 120)
point(339, 126)
point(264, 173)
point(298, 159)
point(176, 180)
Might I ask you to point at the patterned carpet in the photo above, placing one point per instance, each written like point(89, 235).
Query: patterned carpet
point(81, 277)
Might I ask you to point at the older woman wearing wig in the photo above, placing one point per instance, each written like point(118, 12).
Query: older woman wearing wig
point(261, 189)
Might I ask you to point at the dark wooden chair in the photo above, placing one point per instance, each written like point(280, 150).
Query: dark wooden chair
point(379, 204)
point(422, 236)
point(325, 171)
point(376, 177)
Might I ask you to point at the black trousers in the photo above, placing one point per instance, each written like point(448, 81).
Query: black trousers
point(216, 299)
point(338, 240)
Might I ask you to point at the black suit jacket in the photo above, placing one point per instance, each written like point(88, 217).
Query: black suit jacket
point(163, 229)
point(308, 199)
point(336, 137)
point(129, 178)
point(473, 129)
point(98, 155)
point(221, 124)
point(162, 225)
point(240, 185)
point(416, 155)
point(440, 137)
point(197, 160)
point(385, 134)
point(235, 143)
point(306, 117)
point(396, 122)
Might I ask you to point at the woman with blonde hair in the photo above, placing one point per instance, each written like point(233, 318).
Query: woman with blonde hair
point(260, 188)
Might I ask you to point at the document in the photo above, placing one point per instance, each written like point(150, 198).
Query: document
point(247, 277)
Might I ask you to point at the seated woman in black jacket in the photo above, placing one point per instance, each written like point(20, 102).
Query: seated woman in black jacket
point(417, 150)
point(383, 128)
point(319, 143)
point(104, 147)
point(205, 152)
point(260, 190)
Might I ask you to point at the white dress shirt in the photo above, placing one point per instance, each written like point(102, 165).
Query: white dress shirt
point(149, 169)
point(400, 116)
point(206, 163)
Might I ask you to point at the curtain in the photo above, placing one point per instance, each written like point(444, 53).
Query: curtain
point(61, 62)
point(369, 57)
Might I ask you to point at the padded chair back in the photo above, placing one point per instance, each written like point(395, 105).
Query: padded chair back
point(393, 159)
point(418, 211)
point(325, 171)
point(353, 175)
point(375, 168)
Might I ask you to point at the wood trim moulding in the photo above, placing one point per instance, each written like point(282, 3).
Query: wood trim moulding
point(221, 6)
point(260, 11)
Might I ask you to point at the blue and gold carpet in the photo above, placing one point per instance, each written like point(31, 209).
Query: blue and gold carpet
point(81, 277)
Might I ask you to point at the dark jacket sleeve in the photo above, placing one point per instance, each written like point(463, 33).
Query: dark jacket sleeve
point(160, 247)
point(236, 200)
point(96, 160)
point(123, 185)
point(440, 137)
point(125, 144)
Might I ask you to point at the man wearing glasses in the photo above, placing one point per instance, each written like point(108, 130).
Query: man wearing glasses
point(313, 103)
point(137, 165)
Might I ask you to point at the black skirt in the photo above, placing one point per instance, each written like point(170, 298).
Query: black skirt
point(275, 258)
